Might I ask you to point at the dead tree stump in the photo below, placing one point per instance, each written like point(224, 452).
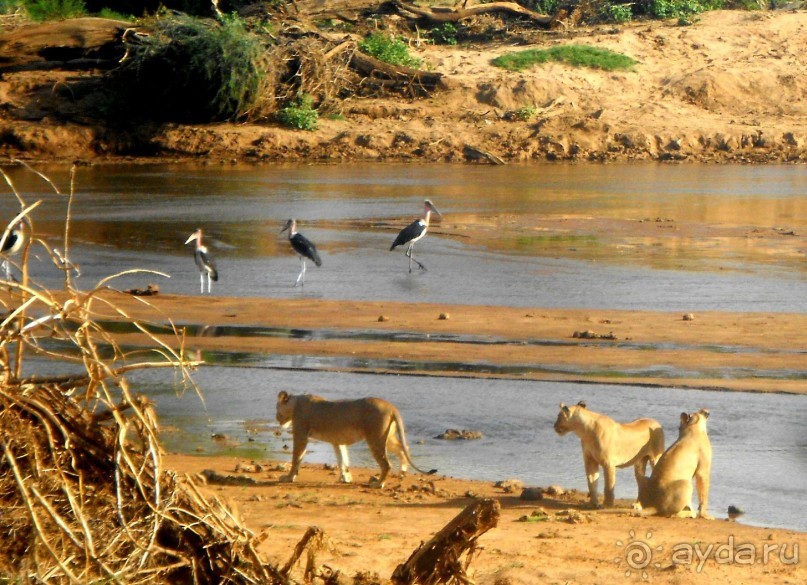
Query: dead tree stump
point(438, 561)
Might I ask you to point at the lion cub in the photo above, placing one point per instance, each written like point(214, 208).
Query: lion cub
point(668, 490)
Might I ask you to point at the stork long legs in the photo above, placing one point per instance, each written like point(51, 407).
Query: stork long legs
point(202, 281)
point(411, 259)
point(302, 272)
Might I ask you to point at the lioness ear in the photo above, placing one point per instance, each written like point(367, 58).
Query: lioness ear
point(582, 404)
point(282, 396)
point(684, 418)
point(562, 406)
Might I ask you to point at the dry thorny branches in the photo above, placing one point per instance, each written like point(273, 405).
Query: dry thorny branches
point(83, 494)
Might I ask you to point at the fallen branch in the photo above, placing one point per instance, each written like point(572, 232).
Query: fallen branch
point(411, 81)
point(442, 16)
point(438, 561)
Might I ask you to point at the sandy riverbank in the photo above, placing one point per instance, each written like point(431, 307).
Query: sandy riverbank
point(757, 348)
point(729, 86)
point(559, 541)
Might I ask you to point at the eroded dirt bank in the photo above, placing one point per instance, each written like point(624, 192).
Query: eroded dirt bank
point(730, 87)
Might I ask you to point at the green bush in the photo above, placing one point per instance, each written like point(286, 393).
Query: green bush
point(665, 9)
point(54, 9)
point(192, 70)
point(575, 55)
point(541, 6)
point(618, 13)
point(389, 49)
point(445, 34)
point(300, 114)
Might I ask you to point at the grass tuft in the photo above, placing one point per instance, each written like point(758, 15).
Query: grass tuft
point(574, 55)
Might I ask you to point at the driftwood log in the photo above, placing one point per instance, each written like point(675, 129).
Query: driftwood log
point(355, 10)
point(438, 561)
point(79, 43)
point(379, 74)
point(440, 16)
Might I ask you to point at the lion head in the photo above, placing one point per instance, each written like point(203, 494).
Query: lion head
point(565, 415)
point(285, 408)
point(696, 419)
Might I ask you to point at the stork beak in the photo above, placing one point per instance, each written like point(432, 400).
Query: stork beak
point(285, 227)
point(431, 206)
point(192, 237)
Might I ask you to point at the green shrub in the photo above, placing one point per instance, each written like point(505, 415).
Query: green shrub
point(300, 114)
point(618, 13)
point(665, 9)
point(525, 113)
point(54, 9)
point(541, 6)
point(445, 34)
point(389, 49)
point(193, 70)
point(114, 14)
point(575, 55)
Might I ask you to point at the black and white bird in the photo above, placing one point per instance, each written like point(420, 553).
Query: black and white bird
point(13, 240)
point(414, 231)
point(304, 247)
point(205, 262)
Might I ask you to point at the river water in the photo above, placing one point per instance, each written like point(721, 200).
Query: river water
point(126, 217)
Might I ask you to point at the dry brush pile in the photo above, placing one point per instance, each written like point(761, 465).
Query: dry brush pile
point(83, 494)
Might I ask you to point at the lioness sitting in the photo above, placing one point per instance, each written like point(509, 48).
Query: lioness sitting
point(609, 444)
point(342, 423)
point(668, 490)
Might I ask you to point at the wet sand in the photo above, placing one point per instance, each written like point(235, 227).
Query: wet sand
point(639, 344)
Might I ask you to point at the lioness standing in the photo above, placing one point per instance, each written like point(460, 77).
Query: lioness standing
point(342, 423)
point(668, 490)
point(609, 444)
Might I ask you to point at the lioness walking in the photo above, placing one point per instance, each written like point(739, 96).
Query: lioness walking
point(668, 490)
point(342, 423)
point(609, 444)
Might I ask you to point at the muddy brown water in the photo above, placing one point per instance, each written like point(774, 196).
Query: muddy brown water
point(139, 216)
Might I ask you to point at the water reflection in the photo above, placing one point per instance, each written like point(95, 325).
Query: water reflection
point(138, 216)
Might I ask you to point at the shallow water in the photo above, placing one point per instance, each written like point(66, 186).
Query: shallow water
point(516, 419)
point(137, 217)
point(128, 217)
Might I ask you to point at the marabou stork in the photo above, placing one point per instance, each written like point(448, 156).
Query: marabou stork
point(414, 231)
point(204, 261)
point(303, 246)
point(11, 243)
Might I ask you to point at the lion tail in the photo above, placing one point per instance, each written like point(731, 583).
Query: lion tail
point(405, 447)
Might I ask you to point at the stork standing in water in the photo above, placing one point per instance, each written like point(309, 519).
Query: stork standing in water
point(205, 263)
point(11, 243)
point(303, 246)
point(414, 231)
